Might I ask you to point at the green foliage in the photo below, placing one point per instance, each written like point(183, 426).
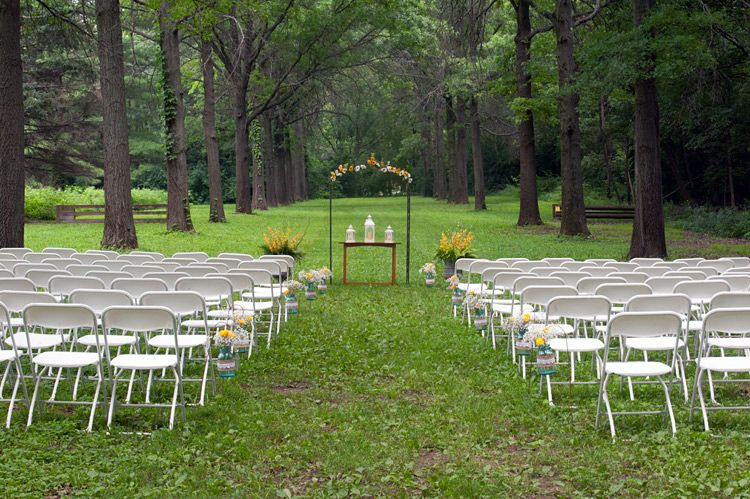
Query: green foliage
point(726, 222)
point(39, 203)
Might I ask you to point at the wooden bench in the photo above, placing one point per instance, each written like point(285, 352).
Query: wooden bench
point(601, 211)
point(76, 213)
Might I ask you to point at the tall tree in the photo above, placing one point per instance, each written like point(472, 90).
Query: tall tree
point(528, 213)
point(440, 187)
point(462, 153)
point(476, 152)
point(648, 239)
point(178, 197)
point(119, 228)
point(11, 126)
point(215, 199)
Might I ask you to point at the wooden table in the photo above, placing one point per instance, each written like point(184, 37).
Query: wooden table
point(348, 245)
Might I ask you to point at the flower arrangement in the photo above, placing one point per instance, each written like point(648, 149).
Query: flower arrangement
point(456, 295)
point(309, 276)
point(292, 287)
point(519, 325)
point(381, 166)
point(428, 268)
point(539, 335)
point(472, 301)
point(224, 338)
point(455, 245)
point(241, 327)
point(280, 243)
point(325, 273)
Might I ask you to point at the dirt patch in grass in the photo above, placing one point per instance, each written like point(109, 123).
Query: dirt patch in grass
point(64, 491)
point(291, 387)
point(300, 482)
point(700, 240)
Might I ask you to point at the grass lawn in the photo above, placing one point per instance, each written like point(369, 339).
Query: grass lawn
point(377, 392)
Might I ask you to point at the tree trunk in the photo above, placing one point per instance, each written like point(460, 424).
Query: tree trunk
point(605, 147)
point(298, 160)
point(439, 187)
point(573, 221)
point(462, 152)
point(259, 188)
point(674, 165)
point(215, 195)
point(266, 128)
point(528, 213)
point(11, 127)
point(648, 238)
point(450, 133)
point(178, 198)
point(629, 185)
point(244, 201)
point(119, 228)
point(476, 153)
point(427, 158)
point(730, 171)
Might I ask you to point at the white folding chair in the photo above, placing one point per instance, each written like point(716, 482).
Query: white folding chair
point(690, 262)
point(105, 254)
point(664, 285)
point(718, 265)
point(137, 271)
point(588, 285)
point(723, 329)
point(672, 265)
point(61, 263)
point(633, 277)
point(86, 258)
point(16, 284)
point(599, 262)
point(264, 292)
point(41, 277)
point(135, 259)
point(20, 269)
point(17, 252)
point(736, 282)
point(145, 321)
point(37, 257)
point(80, 270)
point(575, 266)
point(621, 266)
point(153, 254)
point(109, 276)
point(56, 321)
point(136, 287)
point(244, 257)
point(639, 325)
point(113, 265)
point(11, 357)
point(198, 256)
point(652, 271)
point(570, 278)
point(730, 299)
point(597, 271)
point(61, 252)
point(61, 286)
point(218, 295)
point(231, 263)
point(197, 270)
point(528, 265)
point(557, 261)
point(646, 262)
point(169, 278)
point(180, 261)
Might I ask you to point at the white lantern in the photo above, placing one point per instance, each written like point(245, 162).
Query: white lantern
point(369, 230)
point(350, 234)
point(389, 235)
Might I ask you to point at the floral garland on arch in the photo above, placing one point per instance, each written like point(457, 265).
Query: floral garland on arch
point(381, 166)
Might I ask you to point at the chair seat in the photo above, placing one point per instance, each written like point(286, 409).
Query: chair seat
point(638, 368)
point(66, 359)
point(739, 343)
point(659, 343)
point(576, 344)
point(465, 286)
point(38, 341)
point(183, 340)
point(6, 355)
point(565, 328)
point(505, 307)
point(113, 340)
point(262, 293)
point(725, 364)
point(199, 324)
point(142, 361)
point(259, 305)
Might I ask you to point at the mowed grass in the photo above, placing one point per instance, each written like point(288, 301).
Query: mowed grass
point(378, 392)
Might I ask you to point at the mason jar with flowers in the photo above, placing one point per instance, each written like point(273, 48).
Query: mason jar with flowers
point(457, 297)
point(324, 274)
point(540, 335)
point(519, 325)
point(242, 327)
point(456, 244)
point(475, 306)
point(428, 269)
point(310, 278)
point(291, 290)
point(225, 363)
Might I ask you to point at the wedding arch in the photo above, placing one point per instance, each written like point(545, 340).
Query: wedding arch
point(345, 169)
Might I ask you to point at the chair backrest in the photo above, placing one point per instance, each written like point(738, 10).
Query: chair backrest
point(198, 256)
point(196, 270)
point(106, 254)
point(139, 319)
point(539, 296)
point(621, 266)
point(738, 270)
point(504, 279)
point(570, 278)
point(5, 323)
point(524, 282)
point(20, 269)
point(652, 271)
point(64, 285)
point(181, 303)
point(737, 282)
point(694, 275)
point(644, 325)
point(645, 262)
point(719, 265)
point(588, 285)
point(155, 254)
point(730, 321)
point(60, 316)
point(738, 261)
point(99, 300)
point(575, 266)
point(730, 299)
point(546, 271)
point(181, 261)
point(672, 265)
point(677, 303)
point(588, 308)
point(169, 278)
point(137, 270)
point(510, 261)
point(109, 276)
point(599, 261)
point(526, 266)
point(135, 259)
point(664, 284)
point(41, 278)
point(240, 281)
point(17, 252)
point(217, 266)
point(690, 262)
point(557, 261)
point(463, 264)
point(211, 288)
point(61, 252)
point(622, 292)
point(113, 265)
point(136, 286)
point(260, 277)
point(272, 266)
point(16, 284)
point(37, 257)
point(597, 271)
point(162, 266)
point(16, 301)
point(289, 260)
point(632, 277)
point(478, 268)
point(239, 256)
point(61, 263)
point(701, 291)
point(6, 273)
point(231, 263)
point(82, 269)
point(488, 275)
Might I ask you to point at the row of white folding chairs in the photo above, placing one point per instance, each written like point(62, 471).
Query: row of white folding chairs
point(23, 253)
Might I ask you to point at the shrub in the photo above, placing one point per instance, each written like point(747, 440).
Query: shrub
point(726, 222)
point(39, 202)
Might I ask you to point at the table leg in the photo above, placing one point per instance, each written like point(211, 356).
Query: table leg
point(344, 264)
point(393, 263)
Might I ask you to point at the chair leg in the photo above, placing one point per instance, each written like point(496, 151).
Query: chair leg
point(19, 377)
point(609, 408)
point(669, 405)
point(114, 397)
point(703, 402)
point(34, 396)
point(96, 398)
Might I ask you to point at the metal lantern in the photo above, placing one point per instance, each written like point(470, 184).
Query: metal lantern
point(369, 230)
point(350, 234)
point(389, 235)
